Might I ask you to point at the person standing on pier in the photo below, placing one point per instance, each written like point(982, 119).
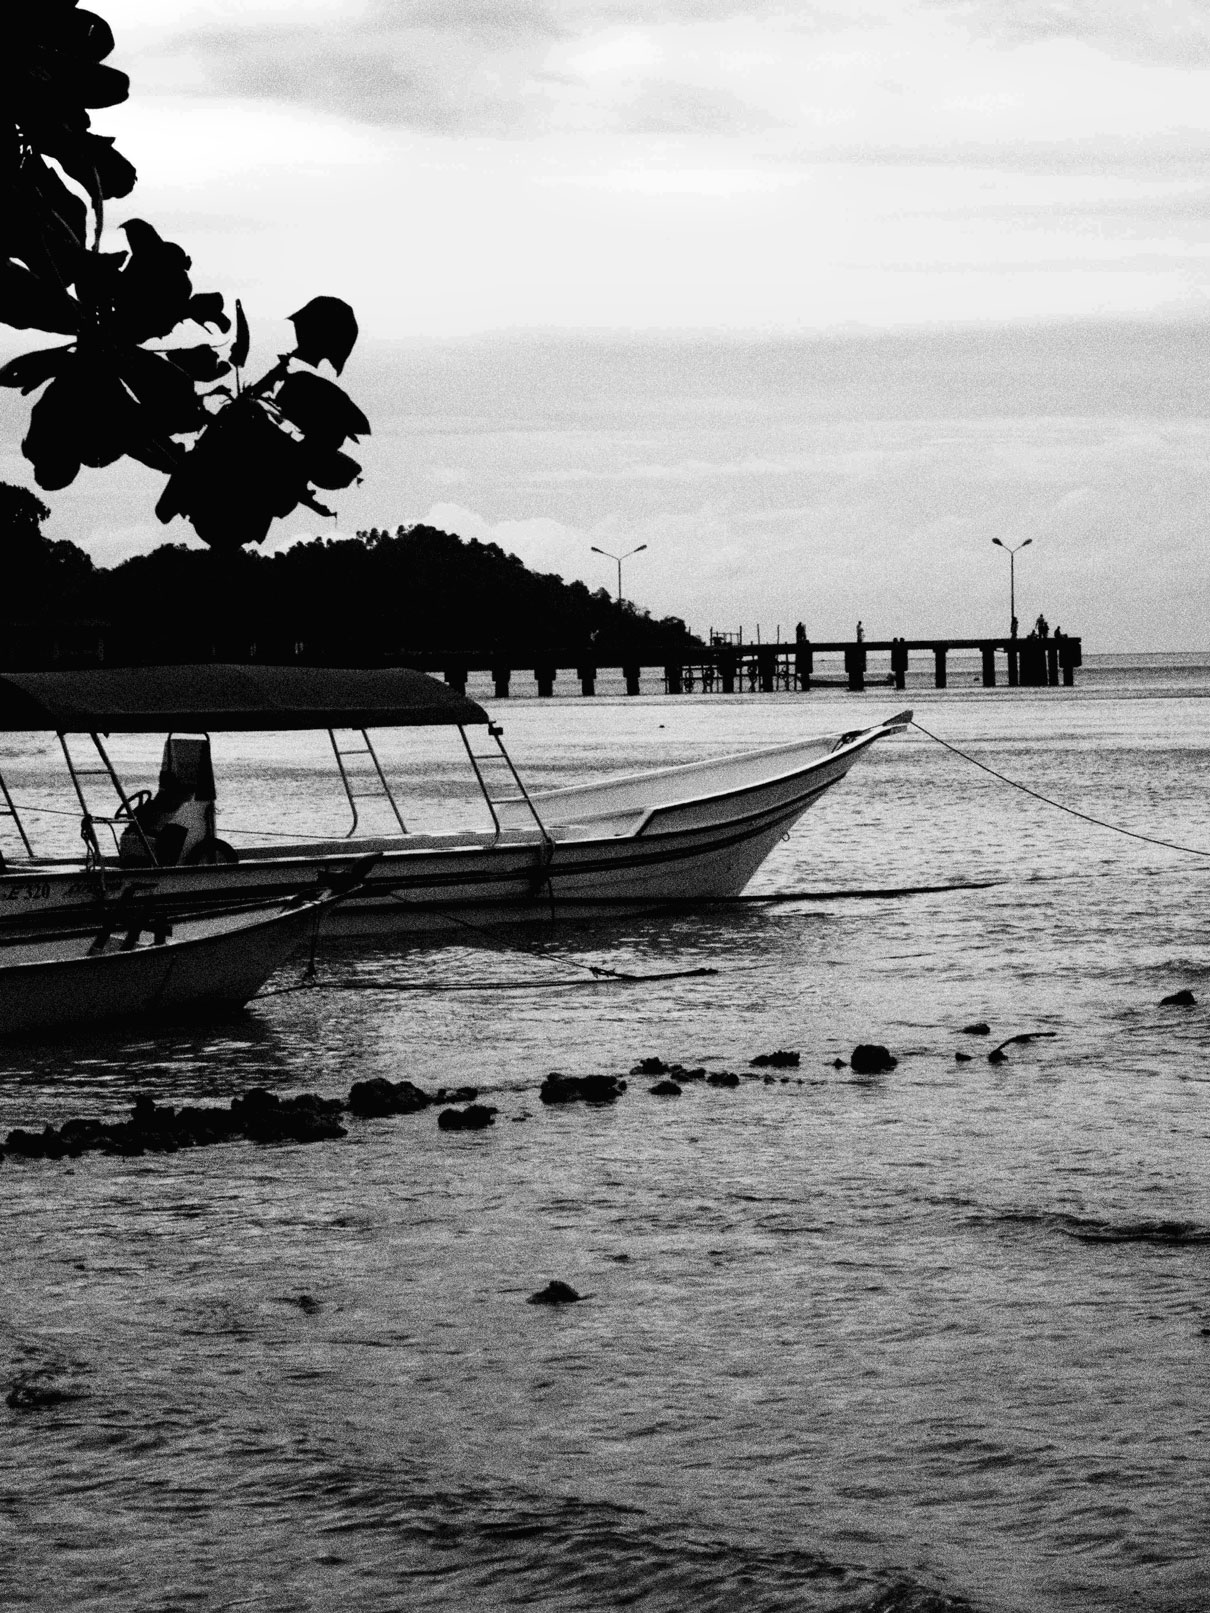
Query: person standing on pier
point(860, 633)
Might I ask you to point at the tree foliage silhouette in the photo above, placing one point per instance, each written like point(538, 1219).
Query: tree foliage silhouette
point(237, 454)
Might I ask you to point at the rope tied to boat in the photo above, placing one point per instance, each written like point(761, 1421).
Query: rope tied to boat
point(1060, 806)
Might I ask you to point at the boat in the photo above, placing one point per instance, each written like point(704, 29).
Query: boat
point(667, 835)
point(140, 964)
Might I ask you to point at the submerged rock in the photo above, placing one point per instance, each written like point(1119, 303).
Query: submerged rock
point(266, 1118)
point(474, 1118)
point(374, 1099)
point(871, 1058)
point(559, 1088)
point(555, 1293)
point(37, 1389)
point(979, 1028)
point(456, 1094)
point(963, 1058)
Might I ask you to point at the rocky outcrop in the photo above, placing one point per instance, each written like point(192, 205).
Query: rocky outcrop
point(871, 1058)
point(476, 1117)
point(377, 1098)
point(559, 1088)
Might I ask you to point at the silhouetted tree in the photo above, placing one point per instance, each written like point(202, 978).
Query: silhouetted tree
point(380, 596)
point(237, 454)
point(42, 577)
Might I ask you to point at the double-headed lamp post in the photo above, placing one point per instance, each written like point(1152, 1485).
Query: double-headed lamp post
point(1012, 577)
point(618, 558)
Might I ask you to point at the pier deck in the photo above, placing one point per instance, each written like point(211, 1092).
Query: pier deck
point(730, 668)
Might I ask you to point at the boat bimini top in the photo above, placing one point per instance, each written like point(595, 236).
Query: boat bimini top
point(228, 698)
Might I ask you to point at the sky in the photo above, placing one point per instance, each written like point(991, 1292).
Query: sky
point(813, 300)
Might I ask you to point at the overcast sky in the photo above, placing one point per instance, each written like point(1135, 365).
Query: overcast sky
point(814, 300)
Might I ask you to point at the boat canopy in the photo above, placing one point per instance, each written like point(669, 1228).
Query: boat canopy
point(228, 698)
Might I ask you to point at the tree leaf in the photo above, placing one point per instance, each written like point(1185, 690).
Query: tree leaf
point(332, 469)
point(206, 308)
point(200, 363)
point(31, 303)
point(163, 391)
point(242, 472)
point(242, 342)
point(153, 291)
point(98, 86)
point(325, 328)
point(50, 444)
point(93, 161)
point(324, 413)
point(30, 370)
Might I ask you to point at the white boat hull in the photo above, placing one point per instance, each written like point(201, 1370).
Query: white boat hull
point(680, 834)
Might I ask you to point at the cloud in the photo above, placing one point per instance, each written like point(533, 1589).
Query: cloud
point(440, 80)
point(666, 107)
point(1176, 31)
point(486, 67)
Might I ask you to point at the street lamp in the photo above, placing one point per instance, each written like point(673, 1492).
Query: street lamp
point(618, 558)
point(1012, 577)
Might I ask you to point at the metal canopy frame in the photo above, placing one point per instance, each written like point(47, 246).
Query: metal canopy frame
point(384, 789)
point(501, 758)
point(125, 814)
point(9, 810)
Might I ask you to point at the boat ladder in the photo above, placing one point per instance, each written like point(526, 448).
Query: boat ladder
point(496, 764)
point(9, 810)
point(378, 786)
point(127, 804)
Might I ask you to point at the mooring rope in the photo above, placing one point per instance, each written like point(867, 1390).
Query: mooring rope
point(612, 977)
point(1060, 806)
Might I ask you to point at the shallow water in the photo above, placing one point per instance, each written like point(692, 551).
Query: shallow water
point(931, 1339)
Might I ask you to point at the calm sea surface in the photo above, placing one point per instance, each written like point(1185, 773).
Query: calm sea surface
point(930, 1340)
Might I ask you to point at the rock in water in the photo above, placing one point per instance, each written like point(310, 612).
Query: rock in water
point(555, 1293)
point(559, 1088)
point(979, 1028)
point(473, 1118)
point(781, 1059)
point(871, 1058)
point(379, 1097)
point(665, 1089)
point(1179, 999)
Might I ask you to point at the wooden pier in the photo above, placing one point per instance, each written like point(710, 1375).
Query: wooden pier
point(733, 668)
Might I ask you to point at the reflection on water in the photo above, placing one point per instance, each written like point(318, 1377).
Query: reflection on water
point(925, 1340)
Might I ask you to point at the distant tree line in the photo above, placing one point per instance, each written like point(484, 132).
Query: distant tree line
point(380, 597)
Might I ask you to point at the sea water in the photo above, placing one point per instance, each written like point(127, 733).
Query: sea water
point(934, 1339)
